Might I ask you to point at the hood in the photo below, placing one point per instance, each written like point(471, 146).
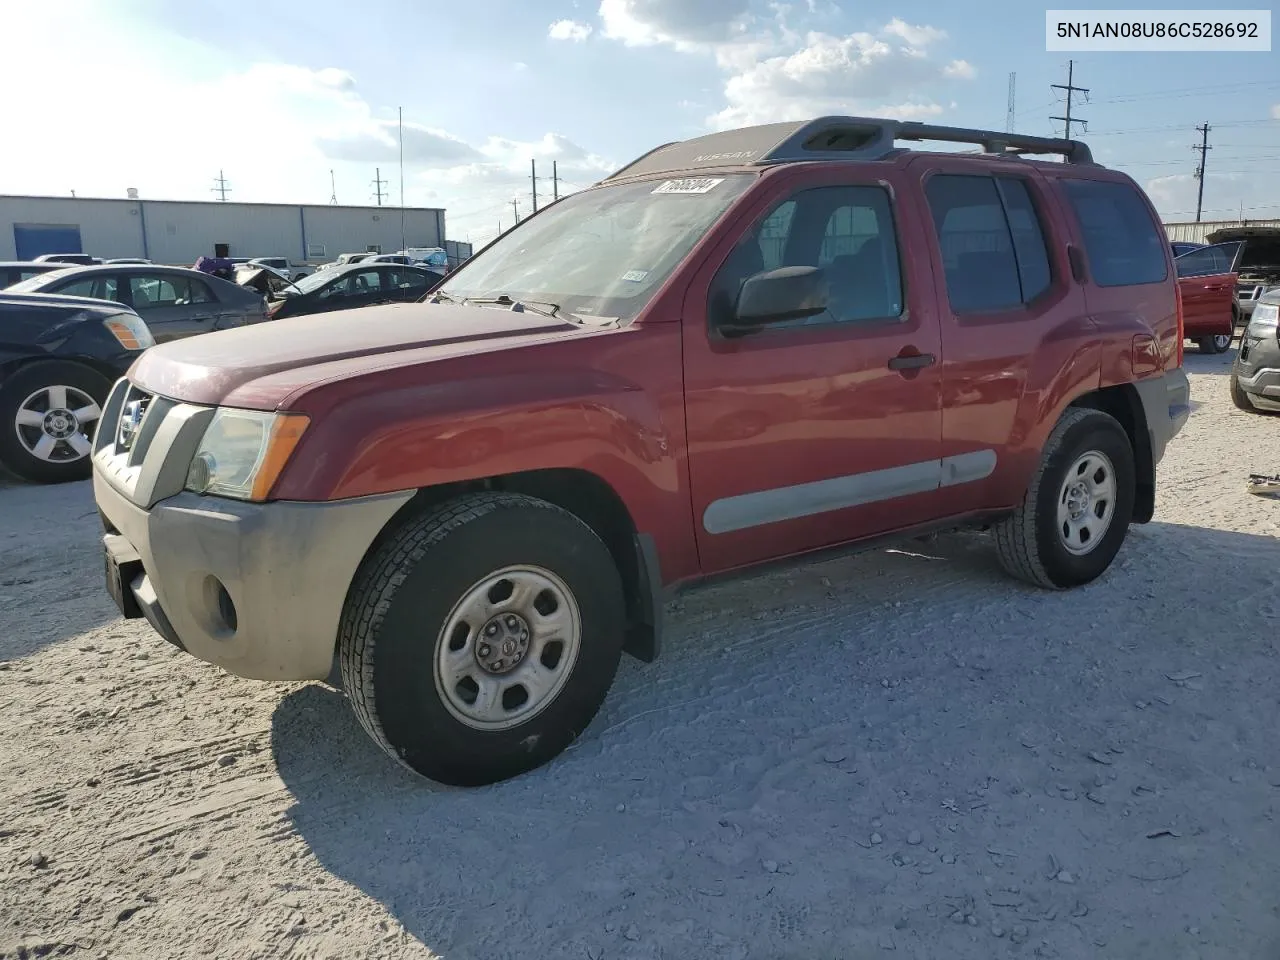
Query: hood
point(263, 363)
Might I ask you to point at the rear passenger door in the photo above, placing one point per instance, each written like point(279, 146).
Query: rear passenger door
point(171, 305)
point(813, 432)
point(1006, 300)
point(1207, 280)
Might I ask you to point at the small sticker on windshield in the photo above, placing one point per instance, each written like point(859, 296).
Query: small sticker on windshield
point(635, 276)
point(689, 185)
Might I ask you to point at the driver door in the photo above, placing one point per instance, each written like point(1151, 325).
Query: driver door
point(810, 433)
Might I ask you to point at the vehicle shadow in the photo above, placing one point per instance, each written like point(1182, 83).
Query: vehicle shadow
point(1208, 364)
point(721, 804)
point(51, 581)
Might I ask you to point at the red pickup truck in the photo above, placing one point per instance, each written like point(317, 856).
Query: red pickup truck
point(743, 348)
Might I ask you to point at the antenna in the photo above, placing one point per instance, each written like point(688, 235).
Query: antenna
point(1011, 117)
point(221, 189)
point(400, 112)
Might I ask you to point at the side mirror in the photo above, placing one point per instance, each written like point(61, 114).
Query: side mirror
point(788, 293)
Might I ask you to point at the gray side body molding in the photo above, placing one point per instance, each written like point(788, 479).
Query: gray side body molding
point(761, 507)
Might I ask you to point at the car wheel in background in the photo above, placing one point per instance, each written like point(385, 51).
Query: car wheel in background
point(480, 638)
point(1219, 343)
point(1076, 513)
point(49, 412)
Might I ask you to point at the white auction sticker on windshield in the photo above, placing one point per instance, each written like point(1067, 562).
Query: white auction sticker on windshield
point(635, 276)
point(689, 185)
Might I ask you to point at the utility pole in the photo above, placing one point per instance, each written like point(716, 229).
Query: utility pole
point(333, 187)
point(1071, 88)
point(515, 206)
point(1011, 116)
point(221, 189)
point(1203, 148)
point(555, 182)
point(377, 184)
point(533, 179)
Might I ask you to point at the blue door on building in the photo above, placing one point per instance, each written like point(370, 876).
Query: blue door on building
point(32, 240)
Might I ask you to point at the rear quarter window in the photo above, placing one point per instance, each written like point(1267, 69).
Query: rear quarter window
point(1122, 243)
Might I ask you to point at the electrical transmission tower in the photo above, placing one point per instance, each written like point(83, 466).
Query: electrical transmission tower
point(1203, 149)
point(1071, 88)
point(333, 190)
point(1011, 117)
point(221, 189)
point(377, 184)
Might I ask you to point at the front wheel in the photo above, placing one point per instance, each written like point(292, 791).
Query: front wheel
point(1238, 396)
point(1076, 512)
point(482, 636)
point(49, 413)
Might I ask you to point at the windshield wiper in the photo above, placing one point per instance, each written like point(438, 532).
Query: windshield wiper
point(542, 307)
point(440, 296)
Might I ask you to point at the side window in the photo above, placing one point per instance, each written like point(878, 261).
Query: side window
point(1207, 261)
point(847, 231)
point(977, 246)
point(200, 292)
point(339, 288)
point(1123, 244)
point(408, 280)
point(366, 281)
point(154, 291)
point(100, 288)
point(1029, 245)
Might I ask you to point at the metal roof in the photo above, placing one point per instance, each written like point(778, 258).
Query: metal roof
point(832, 138)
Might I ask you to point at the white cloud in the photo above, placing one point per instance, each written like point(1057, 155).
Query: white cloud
point(573, 30)
point(915, 36)
point(1275, 112)
point(685, 24)
point(860, 72)
point(1174, 195)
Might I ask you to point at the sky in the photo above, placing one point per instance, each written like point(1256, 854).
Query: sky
point(162, 96)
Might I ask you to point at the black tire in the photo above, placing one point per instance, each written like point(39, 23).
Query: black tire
point(1028, 542)
point(402, 598)
point(1238, 395)
point(15, 391)
point(1214, 345)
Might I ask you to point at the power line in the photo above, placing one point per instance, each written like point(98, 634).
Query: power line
point(1071, 88)
point(1203, 148)
point(221, 189)
point(378, 192)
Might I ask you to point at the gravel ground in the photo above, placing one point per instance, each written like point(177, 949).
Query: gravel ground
point(901, 754)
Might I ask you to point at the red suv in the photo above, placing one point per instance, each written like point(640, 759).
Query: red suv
point(743, 348)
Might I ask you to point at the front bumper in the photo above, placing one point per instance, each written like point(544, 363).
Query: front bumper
point(1257, 371)
point(255, 588)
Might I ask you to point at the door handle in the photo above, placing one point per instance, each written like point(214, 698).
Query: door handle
point(912, 361)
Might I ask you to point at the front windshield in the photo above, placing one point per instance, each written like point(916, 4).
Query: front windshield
point(602, 252)
point(40, 281)
point(312, 281)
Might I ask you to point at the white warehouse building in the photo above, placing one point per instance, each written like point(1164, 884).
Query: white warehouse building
point(179, 232)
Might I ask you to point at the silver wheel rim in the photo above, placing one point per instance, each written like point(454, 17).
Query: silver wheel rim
point(56, 423)
point(1222, 342)
point(507, 648)
point(1086, 503)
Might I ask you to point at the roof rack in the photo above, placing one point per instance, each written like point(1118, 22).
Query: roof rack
point(834, 138)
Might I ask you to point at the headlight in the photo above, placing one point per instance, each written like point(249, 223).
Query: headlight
point(1264, 320)
point(130, 331)
point(243, 451)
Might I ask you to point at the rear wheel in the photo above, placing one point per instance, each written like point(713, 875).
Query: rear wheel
point(49, 413)
point(1218, 343)
point(1076, 513)
point(481, 638)
point(1238, 396)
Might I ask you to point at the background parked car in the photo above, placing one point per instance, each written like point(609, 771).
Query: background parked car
point(15, 271)
point(1207, 282)
point(1258, 265)
point(81, 258)
point(59, 357)
point(355, 285)
point(173, 301)
point(128, 260)
point(1180, 247)
point(344, 259)
point(284, 267)
point(1255, 375)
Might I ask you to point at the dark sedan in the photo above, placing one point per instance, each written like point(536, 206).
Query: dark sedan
point(175, 302)
point(15, 271)
point(355, 285)
point(59, 357)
